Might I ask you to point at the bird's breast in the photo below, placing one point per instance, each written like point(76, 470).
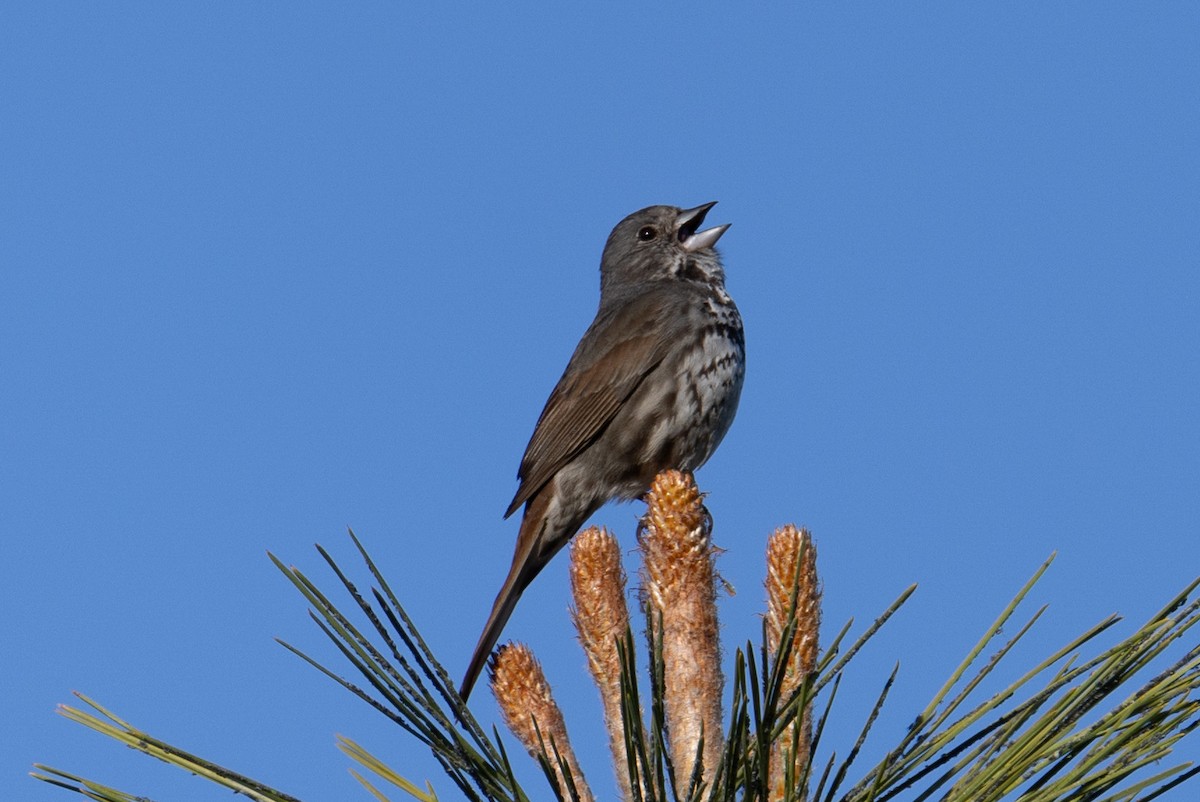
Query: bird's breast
point(690, 405)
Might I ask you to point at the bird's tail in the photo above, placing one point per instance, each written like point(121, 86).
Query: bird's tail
point(530, 557)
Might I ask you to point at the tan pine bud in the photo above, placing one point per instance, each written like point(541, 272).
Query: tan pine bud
point(792, 567)
point(602, 618)
point(529, 710)
point(679, 584)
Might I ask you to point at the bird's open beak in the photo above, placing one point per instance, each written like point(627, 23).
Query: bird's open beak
point(689, 221)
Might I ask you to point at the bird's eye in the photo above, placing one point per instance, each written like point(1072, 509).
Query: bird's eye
point(647, 233)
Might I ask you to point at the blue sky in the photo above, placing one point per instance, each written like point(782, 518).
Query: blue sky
point(271, 270)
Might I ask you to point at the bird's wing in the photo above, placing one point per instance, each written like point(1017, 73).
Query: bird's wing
point(618, 351)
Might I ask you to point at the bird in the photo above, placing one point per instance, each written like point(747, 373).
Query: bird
point(653, 384)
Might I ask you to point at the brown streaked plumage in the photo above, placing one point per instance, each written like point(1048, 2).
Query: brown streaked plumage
point(653, 384)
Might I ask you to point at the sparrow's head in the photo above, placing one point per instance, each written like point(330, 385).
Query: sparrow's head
point(662, 243)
